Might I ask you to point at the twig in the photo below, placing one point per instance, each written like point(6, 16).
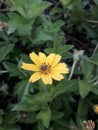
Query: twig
point(91, 21)
point(3, 71)
point(2, 10)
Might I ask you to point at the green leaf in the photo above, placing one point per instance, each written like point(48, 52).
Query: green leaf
point(65, 2)
point(20, 88)
point(10, 118)
point(56, 26)
point(95, 89)
point(96, 1)
point(94, 13)
point(84, 88)
point(18, 6)
point(82, 111)
point(45, 116)
point(56, 115)
point(52, 27)
point(1, 120)
point(64, 48)
point(40, 125)
point(94, 59)
point(26, 58)
point(87, 67)
point(29, 9)
point(22, 12)
point(18, 22)
point(90, 31)
point(34, 11)
point(17, 3)
point(49, 50)
point(62, 87)
point(11, 127)
point(41, 35)
point(58, 47)
point(24, 106)
point(40, 97)
point(4, 50)
point(67, 55)
point(56, 42)
point(13, 69)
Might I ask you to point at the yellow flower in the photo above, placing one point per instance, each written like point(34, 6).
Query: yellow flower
point(46, 68)
point(95, 108)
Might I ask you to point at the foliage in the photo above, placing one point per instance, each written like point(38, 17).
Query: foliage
point(65, 27)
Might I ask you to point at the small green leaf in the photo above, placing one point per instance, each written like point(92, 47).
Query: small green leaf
point(24, 106)
point(20, 88)
point(1, 120)
point(65, 2)
point(64, 48)
point(52, 27)
point(94, 59)
point(22, 12)
point(40, 125)
point(56, 26)
point(62, 87)
point(45, 116)
point(96, 1)
point(29, 9)
point(84, 88)
point(17, 3)
point(49, 50)
point(10, 118)
point(4, 50)
point(18, 22)
point(57, 42)
point(58, 47)
point(11, 127)
point(40, 35)
point(95, 90)
point(34, 11)
point(56, 115)
point(87, 67)
point(82, 111)
point(90, 31)
point(13, 69)
point(40, 97)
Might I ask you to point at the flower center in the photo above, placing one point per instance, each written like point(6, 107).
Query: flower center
point(45, 68)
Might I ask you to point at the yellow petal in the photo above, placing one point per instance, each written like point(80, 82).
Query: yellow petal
point(57, 76)
point(61, 68)
point(47, 79)
point(42, 57)
point(56, 59)
point(50, 58)
point(34, 77)
point(35, 58)
point(31, 67)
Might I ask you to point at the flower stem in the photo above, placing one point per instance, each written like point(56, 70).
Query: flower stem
point(72, 70)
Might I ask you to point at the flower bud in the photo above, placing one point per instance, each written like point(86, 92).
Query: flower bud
point(77, 54)
point(95, 108)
